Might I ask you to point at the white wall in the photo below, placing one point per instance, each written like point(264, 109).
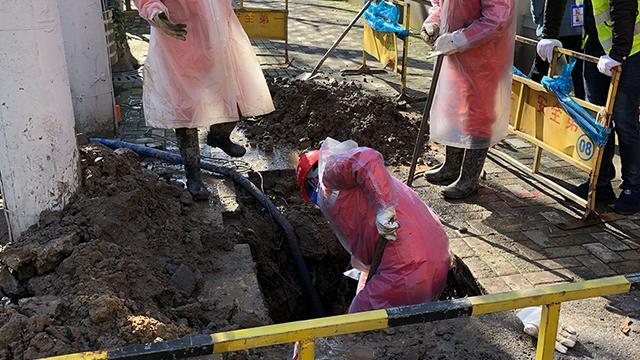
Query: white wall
point(38, 152)
point(88, 57)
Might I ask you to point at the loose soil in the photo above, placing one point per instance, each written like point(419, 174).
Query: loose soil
point(307, 112)
point(123, 263)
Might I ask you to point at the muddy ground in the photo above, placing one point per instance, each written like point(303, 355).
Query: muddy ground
point(123, 263)
point(309, 112)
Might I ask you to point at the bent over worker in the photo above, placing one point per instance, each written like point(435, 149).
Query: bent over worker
point(612, 28)
point(201, 72)
point(470, 112)
point(363, 203)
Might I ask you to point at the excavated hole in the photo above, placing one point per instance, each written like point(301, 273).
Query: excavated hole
point(324, 255)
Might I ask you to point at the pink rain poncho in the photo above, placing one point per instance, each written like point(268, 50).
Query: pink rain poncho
point(354, 184)
point(473, 98)
point(206, 79)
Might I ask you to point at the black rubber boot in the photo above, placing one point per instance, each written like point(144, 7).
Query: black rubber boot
point(448, 172)
point(469, 181)
point(219, 137)
point(190, 151)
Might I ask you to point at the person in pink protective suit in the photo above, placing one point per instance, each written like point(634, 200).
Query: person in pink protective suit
point(200, 72)
point(363, 202)
point(472, 102)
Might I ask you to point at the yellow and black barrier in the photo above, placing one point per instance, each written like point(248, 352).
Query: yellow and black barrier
point(305, 332)
point(538, 117)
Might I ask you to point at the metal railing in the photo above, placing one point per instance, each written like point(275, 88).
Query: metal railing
point(305, 332)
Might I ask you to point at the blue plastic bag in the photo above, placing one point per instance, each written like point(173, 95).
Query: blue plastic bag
point(385, 17)
point(561, 86)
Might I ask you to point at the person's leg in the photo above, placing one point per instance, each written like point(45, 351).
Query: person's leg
point(219, 136)
point(596, 87)
point(449, 171)
point(627, 126)
point(190, 150)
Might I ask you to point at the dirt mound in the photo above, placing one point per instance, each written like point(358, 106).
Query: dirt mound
point(309, 112)
point(123, 263)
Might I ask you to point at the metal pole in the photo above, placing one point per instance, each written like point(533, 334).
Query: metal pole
point(417, 150)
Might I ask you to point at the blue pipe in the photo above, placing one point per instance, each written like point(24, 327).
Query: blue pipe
point(292, 238)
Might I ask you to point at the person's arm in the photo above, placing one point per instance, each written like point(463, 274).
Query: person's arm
point(434, 12)
point(553, 14)
point(363, 168)
point(148, 9)
point(623, 16)
point(495, 17)
point(537, 12)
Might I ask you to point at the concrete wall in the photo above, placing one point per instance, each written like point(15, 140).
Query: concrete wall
point(87, 54)
point(38, 151)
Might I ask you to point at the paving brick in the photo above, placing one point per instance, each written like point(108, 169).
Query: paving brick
point(526, 249)
point(520, 192)
point(524, 265)
point(500, 265)
point(478, 227)
point(630, 254)
point(559, 263)
point(512, 200)
point(539, 237)
point(479, 245)
point(565, 251)
point(493, 285)
point(627, 224)
point(596, 266)
point(575, 239)
point(626, 267)
point(633, 244)
point(584, 273)
point(610, 241)
point(554, 217)
point(460, 248)
point(517, 282)
point(479, 269)
point(602, 252)
point(549, 277)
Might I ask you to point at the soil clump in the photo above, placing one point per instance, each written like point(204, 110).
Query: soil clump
point(307, 112)
point(125, 262)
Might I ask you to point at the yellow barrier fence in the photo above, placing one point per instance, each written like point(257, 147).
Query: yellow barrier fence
point(305, 332)
point(266, 24)
point(537, 117)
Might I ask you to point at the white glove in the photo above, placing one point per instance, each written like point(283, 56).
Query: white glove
point(430, 32)
point(545, 48)
point(606, 65)
point(450, 43)
point(386, 223)
point(530, 318)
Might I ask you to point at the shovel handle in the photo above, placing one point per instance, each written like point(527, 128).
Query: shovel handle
point(342, 36)
point(377, 257)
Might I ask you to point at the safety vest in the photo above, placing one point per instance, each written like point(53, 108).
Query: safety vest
point(604, 26)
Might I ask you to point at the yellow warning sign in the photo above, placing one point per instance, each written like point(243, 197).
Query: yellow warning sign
point(267, 24)
point(382, 46)
point(539, 116)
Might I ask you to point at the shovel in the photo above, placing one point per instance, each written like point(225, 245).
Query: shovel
point(314, 72)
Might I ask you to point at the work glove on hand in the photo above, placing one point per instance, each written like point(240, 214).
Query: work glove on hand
point(530, 318)
point(606, 65)
point(450, 43)
point(430, 32)
point(545, 48)
point(177, 31)
point(386, 223)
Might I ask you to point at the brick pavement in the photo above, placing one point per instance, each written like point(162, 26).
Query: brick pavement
point(506, 234)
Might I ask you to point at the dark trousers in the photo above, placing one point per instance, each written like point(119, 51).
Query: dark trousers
point(625, 116)
point(540, 67)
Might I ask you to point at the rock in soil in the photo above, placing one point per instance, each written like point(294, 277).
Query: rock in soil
point(307, 112)
point(121, 264)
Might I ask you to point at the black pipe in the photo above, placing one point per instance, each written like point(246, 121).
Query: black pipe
point(286, 226)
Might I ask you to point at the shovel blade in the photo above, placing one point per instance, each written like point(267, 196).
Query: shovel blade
point(306, 76)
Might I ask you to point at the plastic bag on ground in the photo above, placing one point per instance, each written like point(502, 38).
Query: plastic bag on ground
point(472, 102)
point(354, 184)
